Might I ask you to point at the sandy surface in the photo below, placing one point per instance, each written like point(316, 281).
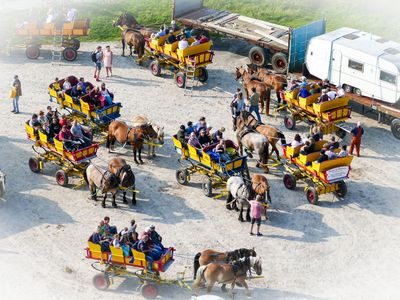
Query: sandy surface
point(338, 250)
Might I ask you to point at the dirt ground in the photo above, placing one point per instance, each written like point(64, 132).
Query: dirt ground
point(340, 249)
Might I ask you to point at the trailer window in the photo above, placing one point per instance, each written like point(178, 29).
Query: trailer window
point(356, 65)
point(385, 76)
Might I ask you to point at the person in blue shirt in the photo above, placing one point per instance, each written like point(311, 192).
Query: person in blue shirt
point(303, 93)
point(144, 248)
point(82, 84)
point(189, 129)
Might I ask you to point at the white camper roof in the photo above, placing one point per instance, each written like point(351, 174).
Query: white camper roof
point(366, 43)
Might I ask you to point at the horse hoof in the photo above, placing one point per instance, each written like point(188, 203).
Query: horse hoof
point(248, 219)
point(124, 201)
point(241, 219)
point(114, 205)
point(141, 162)
point(134, 203)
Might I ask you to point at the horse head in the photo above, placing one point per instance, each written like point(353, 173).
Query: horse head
point(126, 19)
point(118, 22)
point(256, 264)
point(252, 252)
point(160, 133)
point(239, 73)
point(126, 176)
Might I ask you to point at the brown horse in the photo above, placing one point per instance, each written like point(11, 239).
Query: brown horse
point(207, 256)
point(252, 141)
point(143, 120)
point(134, 40)
point(126, 20)
point(235, 272)
point(118, 166)
point(135, 136)
point(273, 134)
point(261, 88)
point(274, 81)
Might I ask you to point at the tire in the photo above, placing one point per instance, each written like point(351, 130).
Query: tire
point(34, 164)
point(207, 188)
point(69, 54)
point(258, 56)
point(395, 127)
point(155, 68)
point(289, 181)
point(340, 133)
point(32, 52)
point(182, 176)
point(180, 79)
point(149, 291)
point(290, 122)
point(62, 178)
point(101, 282)
point(202, 74)
point(341, 192)
point(357, 91)
point(348, 88)
point(312, 195)
point(76, 44)
point(279, 62)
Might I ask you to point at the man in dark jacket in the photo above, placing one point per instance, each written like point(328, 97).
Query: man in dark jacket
point(18, 93)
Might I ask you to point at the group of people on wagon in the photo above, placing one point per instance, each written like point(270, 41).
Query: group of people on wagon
point(328, 151)
point(199, 136)
point(96, 97)
point(323, 87)
point(72, 134)
point(148, 242)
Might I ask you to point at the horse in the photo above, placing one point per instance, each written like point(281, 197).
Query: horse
point(240, 192)
point(261, 88)
point(134, 40)
point(227, 273)
point(135, 136)
point(252, 141)
point(142, 120)
point(2, 184)
point(273, 134)
point(207, 256)
point(118, 165)
point(104, 180)
point(126, 20)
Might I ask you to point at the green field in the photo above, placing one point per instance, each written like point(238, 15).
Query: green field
point(362, 14)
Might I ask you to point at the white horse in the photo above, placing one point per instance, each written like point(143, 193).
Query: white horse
point(142, 120)
point(2, 184)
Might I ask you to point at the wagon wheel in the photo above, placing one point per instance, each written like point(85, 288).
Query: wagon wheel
point(62, 178)
point(207, 188)
point(290, 122)
point(76, 44)
point(101, 282)
point(202, 74)
point(312, 195)
point(180, 79)
point(34, 164)
point(182, 176)
point(155, 68)
point(149, 291)
point(69, 54)
point(32, 52)
point(342, 189)
point(289, 180)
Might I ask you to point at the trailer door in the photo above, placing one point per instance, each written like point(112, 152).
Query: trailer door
point(387, 86)
point(336, 67)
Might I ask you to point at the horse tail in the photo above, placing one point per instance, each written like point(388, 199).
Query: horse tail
point(265, 153)
point(282, 137)
point(199, 276)
point(141, 47)
point(85, 177)
point(196, 264)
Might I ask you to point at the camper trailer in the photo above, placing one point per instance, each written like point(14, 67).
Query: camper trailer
point(365, 64)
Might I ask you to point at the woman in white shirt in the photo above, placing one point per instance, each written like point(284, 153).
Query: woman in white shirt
point(297, 141)
point(183, 44)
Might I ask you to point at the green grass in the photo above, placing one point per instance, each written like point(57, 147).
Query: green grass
point(361, 14)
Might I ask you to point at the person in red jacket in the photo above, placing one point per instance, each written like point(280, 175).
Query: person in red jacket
point(357, 133)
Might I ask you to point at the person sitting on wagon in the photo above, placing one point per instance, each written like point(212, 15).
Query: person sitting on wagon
point(297, 141)
point(155, 237)
point(106, 96)
point(94, 97)
point(331, 94)
point(331, 153)
point(303, 92)
point(340, 93)
point(174, 26)
point(79, 132)
point(189, 128)
point(343, 151)
point(107, 226)
point(144, 248)
point(65, 136)
point(196, 41)
point(204, 139)
point(45, 130)
point(323, 156)
point(181, 136)
point(66, 85)
point(221, 150)
point(309, 147)
point(162, 32)
point(194, 141)
point(183, 44)
point(292, 85)
point(316, 134)
point(42, 118)
point(333, 143)
point(64, 121)
point(218, 135)
point(324, 97)
point(34, 122)
point(171, 39)
point(50, 114)
point(203, 39)
point(54, 129)
point(201, 124)
point(316, 88)
point(325, 84)
point(76, 93)
point(82, 84)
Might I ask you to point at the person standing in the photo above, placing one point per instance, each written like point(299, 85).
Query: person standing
point(108, 59)
point(97, 58)
point(17, 93)
point(254, 100)
point(357, 132)
point(255, 214)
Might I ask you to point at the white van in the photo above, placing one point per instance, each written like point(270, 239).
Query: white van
point(363, 63)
